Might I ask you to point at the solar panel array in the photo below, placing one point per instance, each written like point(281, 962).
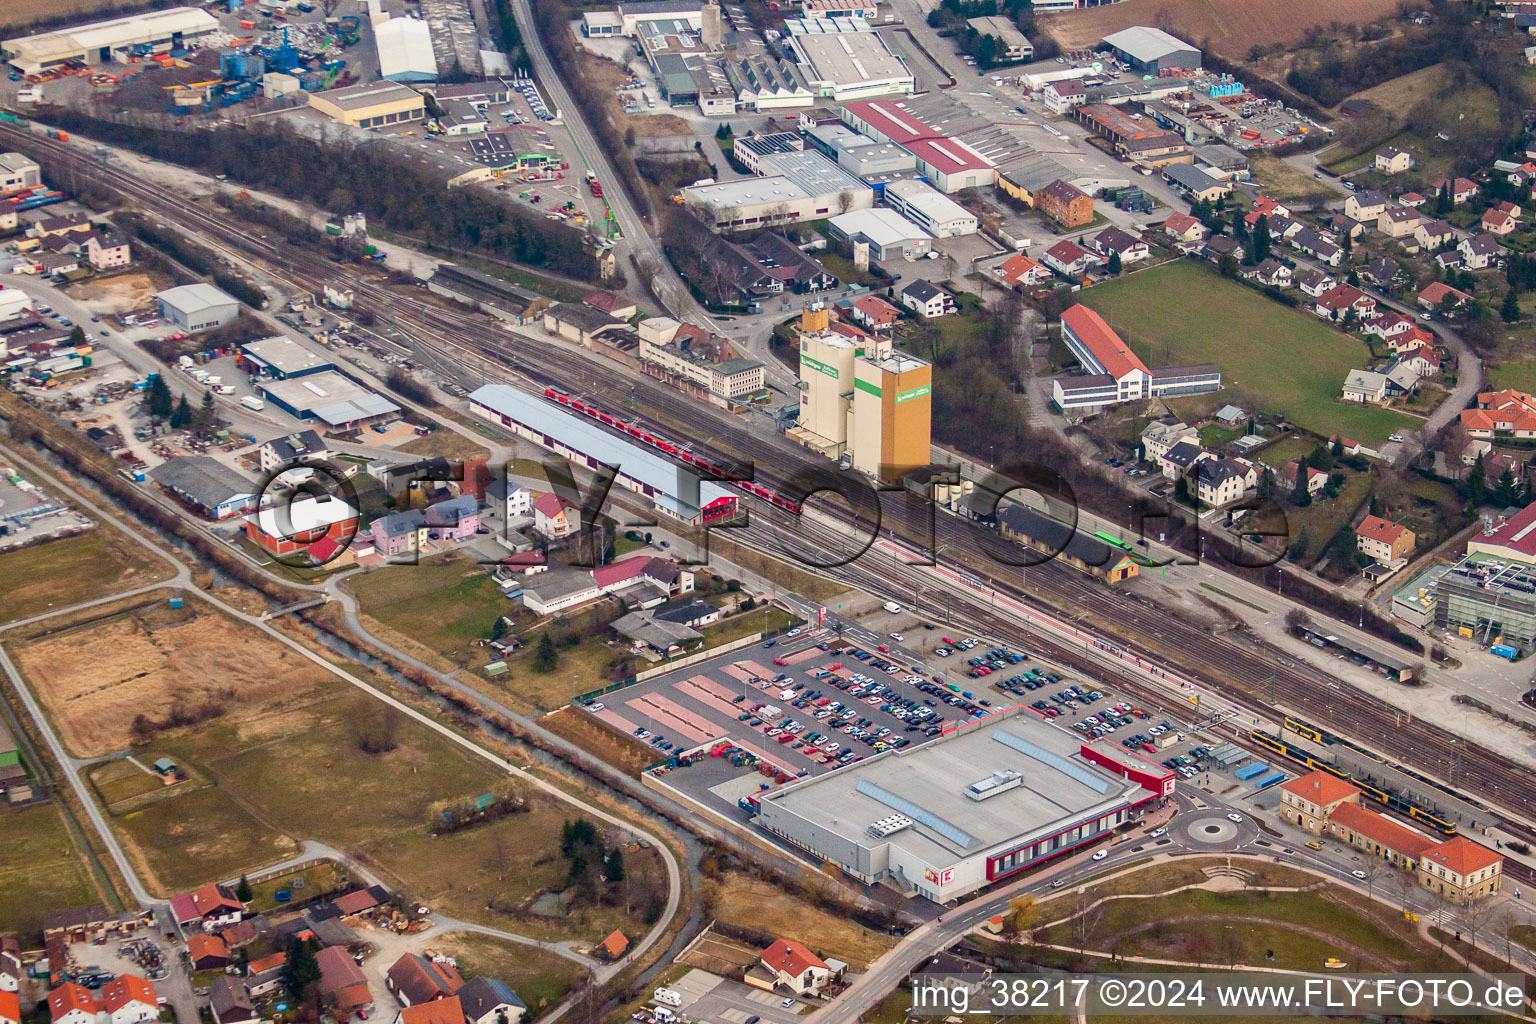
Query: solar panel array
point(921, 815)
point(1056, 761)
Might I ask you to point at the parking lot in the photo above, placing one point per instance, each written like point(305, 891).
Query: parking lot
point(702, 996)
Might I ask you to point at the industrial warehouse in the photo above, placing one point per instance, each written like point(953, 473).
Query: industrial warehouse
point(104, 41)
point(677, 491)
point(943, 819)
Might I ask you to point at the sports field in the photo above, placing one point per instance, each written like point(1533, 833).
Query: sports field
point(1283, 360)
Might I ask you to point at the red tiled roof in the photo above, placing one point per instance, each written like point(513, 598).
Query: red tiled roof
point(887, 118)
point(618, 572)
point(551, 504)
point(1179, 223)
point(1462, 856)
point(1342, 296)
point(1436, 291)
point(70, 996)
point(266, 963)
point(1425, 353)
point(1016, 267)
point(10, 1006)
point(438, 1011)
point(200, 946)
point(356, 902)
point(615, 944)
point(606, 301)
point(1381, 830)
point(1106, 346)
point(791, 957)
point(1377, 528)
point(212, 899)
point(1066, 251)
point(422, 980)
point(338, 970)
point(877, 309)
point(1320, 788)
point(125, 989)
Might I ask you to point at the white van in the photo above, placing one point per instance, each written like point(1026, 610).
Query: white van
point(664, 1015)
point(253, 403)
point(892, 607)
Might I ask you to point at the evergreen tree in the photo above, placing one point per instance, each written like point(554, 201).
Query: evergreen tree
point(206, 419)
point(1261, 240)
point(1509, 312)
point(243, 890)
point(158, 399)
point(1114, 263)
point(182, 416)
point(77, 335)
point(301, 970)
point(545, 657)
point(1475, 490)
point(613, 865)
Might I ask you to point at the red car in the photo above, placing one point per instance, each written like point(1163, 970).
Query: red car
point(780, 661)
point(834, 666)
point(883, 649)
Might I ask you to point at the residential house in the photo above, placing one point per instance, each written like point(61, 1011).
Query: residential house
point(1500, 414)
point(1217, 248)
point(1116, 240)
point(129, 999)
point(1438, 293)
point(1497, 222)
point(291, 449)
point(1381, 273)
point(1407, 341)
point(1319, 248)
point(1388, 324)
point(511, 500)
point(72, 1003)
point(1158, 438)
point(265, 975)
point(1365, 205)
point(795, 967)
point(71, 222)
point(1176, 461)
point(211, 908)
point(1342, 299)
point(438, 1011)
point(1263, 206)
point(1412, 200)
point(1391, 160)
point(1307, 800)
point(10, 964)
point(1511, 208)
point(229, 1002)
point(1314, 282)
point(1402, 379)
point(316, 527)
point(1479, 252)
point(613, 946)
point(1461, 189)
point(1181, 227)
point(1499, 463)
point(1365, 386)
point(613, 305)
point(1019, 271)
point(875, 313)
point(107, 250)
point(1271, 272)
point(1065, 203)
point(1070, 259)
point(455, 519)
point(1432, 234)
point(1295, 471)
point(490, 1001)
point(399, 533)
point(1398, 222)
point(1337, 226)
point(927, 299)
point(10, 1001)
point(554, 517)
point(342, 986)
point(414, 979)
point(207, 952)
point(770, 264)
point(1222, 481)
point(1461, 870)
point(1385, 541)
point(1423, 361)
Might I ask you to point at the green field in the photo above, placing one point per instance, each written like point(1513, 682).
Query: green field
point(1286, 361)
point(60, 573)
point(442, 602)
point(539, 977)
point(42, 870)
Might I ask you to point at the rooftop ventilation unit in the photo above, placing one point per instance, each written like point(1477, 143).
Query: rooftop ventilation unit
point(992, 785)
point(889, 825)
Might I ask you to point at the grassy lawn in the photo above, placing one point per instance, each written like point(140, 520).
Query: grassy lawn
point(1518, 375)
point(120, 782)
point(540, 978)
point(443, 602)
point(1284, 183)
point(305, 884)
point(825, 932)
point(582, 667)
point(1286, 360)
point(1524, 934)
point(758, 620)
point(198, 836)
point(42, 870)
point(795, 580)
point(1216, 438)
point(63, 572)
point(842, 268)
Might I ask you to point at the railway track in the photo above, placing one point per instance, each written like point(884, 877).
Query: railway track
point(1248, 672)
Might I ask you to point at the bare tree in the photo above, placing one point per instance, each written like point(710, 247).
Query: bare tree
point(1086, 918)
point(1232, 946)
point(1471, 917)
point(1373, 868)
point(1504, 924)
point(1023, 913)
point(845, 200)
point(1407, 883)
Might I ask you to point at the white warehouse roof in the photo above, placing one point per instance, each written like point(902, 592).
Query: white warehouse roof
point(881, 225)
point(1146, 43)
point(195, 298)
point(405, 50)
point(149, 27)
point(928, 200)
point(674, 485)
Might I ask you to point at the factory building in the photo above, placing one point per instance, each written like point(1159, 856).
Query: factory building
point(101, 42)
point(632, 16)
point(371, 105)
point(930, 210)
point(1149, 51)
point(850, 65)
point(946, 818)
point(341, 404)
point(862, 401)
point(1013, 46)
point(795, 186)
point(674, 489)
point(18, 172)
point(405, 51)
point(888, 234)
point(197, 307)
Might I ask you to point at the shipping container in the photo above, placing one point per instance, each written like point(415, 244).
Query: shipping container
point(1248, 771)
